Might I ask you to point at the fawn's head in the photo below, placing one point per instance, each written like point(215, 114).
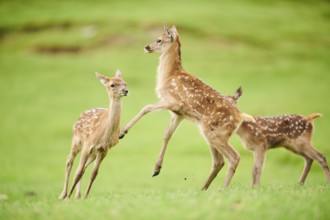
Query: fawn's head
point(116, 86)
point(164, 41)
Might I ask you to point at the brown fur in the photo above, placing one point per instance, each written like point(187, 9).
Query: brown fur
point(188, 97)
point(95, 132)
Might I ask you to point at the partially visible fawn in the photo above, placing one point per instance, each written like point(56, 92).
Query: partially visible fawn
point(291, 131)
point(95, 132)
point(185, 96)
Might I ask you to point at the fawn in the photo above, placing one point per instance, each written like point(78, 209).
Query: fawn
point(186, 96)
point(291, 131)
point(95, 132)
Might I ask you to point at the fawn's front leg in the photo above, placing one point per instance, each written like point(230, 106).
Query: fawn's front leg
point(147, 109)
point(259, 158)
point(175, 121)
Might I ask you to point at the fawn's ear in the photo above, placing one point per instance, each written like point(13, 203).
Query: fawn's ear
point(118, 74)
point(168, 32)
point(174, 33)
point(174, 30)
point(103, 79)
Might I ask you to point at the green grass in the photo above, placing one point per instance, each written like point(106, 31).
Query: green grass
point(235, 203)
point(279, 51)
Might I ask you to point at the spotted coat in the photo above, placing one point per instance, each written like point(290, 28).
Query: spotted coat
point(89, 120)
point(274, 131)
point(201, 103)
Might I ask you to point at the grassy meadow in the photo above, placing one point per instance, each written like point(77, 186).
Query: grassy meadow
point(278, 51)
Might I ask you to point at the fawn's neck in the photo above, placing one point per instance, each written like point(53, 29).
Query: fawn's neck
point(113, 119)
point(170, 62)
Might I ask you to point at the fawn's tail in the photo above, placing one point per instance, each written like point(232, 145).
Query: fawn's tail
point(247, 117)
point(238, 93)
point(312, 116)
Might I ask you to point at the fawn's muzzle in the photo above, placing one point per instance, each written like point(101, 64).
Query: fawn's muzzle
point(125, 92)
point(147, 49)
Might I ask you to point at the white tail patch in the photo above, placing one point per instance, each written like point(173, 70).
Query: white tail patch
point(247, 117)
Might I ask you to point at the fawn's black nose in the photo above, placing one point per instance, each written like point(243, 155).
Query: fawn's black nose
point(147, 48)
point(125, 91)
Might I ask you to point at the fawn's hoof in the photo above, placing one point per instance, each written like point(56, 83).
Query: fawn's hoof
point(78, 196)
point(121, 136)
point(157, 170)
point(155, 173)
point(62, 196)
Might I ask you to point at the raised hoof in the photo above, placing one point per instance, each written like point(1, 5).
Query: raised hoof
point(155, 173)
point(122, 134)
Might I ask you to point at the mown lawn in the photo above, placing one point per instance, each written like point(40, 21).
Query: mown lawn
point(279, 51)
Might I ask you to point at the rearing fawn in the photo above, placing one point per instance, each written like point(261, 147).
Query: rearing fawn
point(185, 96)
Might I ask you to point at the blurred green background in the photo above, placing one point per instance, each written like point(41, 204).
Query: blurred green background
point(278, 51)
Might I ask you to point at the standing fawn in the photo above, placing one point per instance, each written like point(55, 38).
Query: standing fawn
point(293, 132)
point(95, 132)
point(185, 96)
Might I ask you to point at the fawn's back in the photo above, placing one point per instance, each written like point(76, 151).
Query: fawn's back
point(275, 131)
point(89, 121)
point(200, 102)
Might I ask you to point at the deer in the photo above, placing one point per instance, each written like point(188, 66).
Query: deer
point(291, 131)
point(188, 97)
point(95, 132)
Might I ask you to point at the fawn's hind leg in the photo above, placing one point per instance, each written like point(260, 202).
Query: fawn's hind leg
point(320, 158)
point(233, 159)
point(224, 148)
point(80, 171)
point(99, 158)
point(307, 167)
point(217, 164)
point(78, 187)
point(69, 163)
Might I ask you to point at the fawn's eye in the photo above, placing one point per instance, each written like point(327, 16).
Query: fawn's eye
point(159, 41)
point(112, 85)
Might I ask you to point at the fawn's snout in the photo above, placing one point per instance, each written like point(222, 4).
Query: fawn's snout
point(124, 92)
point(147, 49)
